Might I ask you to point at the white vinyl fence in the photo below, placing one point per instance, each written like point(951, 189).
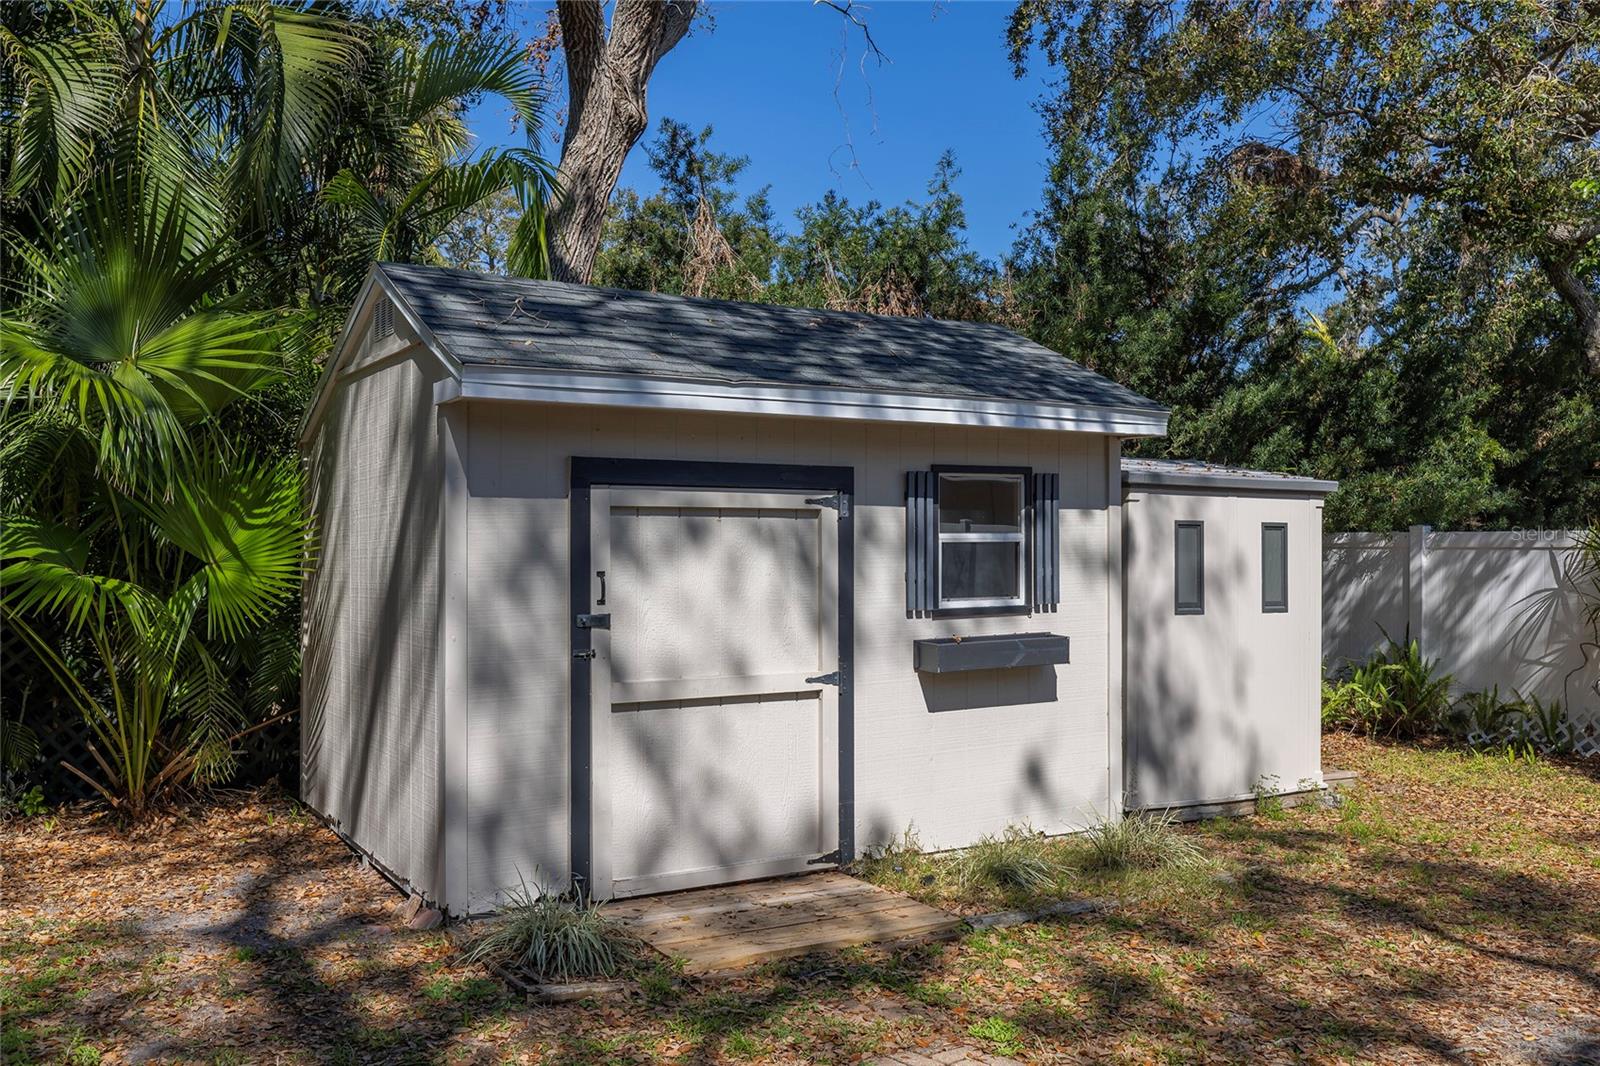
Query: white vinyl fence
point(1493, 608)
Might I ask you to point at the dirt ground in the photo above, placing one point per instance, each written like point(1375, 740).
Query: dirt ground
point(1448, 911)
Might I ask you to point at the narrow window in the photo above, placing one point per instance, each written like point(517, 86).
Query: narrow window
point(1274, 567)
point(1190, 546)
point(981, 560)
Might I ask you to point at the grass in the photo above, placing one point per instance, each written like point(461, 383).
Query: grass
point(1017, 859)
point(1141, 842)
point(1021, 868)
point(1450, 901)
point(1002, 1035)
point(551, 938)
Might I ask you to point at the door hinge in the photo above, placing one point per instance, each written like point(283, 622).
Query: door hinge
point(586, 653)
point(830, 678)
point(837, 502)
point(594, 621)
point(830, 859)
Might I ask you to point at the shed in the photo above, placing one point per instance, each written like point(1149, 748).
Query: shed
point(639, 592)
point(1223, 634)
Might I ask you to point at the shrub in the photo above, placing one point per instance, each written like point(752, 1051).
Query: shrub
point(1421, 695)
point(1542, 725)
point(1526, 723)
point(1480, 714)
point(1360, 704)
point(1141, 842)
point(1019, 858)
point(552, 937)
point(1396, 693)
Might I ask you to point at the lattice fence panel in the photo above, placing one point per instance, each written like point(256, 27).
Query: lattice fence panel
point(1574, 736)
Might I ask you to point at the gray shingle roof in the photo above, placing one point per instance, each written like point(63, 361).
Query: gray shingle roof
point(485, 319)
point(1180, 472)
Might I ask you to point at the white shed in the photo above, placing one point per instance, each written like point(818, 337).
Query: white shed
point(643, 592)
point(1223, 634)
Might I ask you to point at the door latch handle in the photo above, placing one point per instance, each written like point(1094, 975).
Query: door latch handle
point(601, 574)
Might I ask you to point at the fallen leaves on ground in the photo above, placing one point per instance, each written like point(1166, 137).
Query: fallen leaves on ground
point(1448, 911)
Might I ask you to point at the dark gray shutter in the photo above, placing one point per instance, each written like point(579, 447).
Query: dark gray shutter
point(1046, 538)
point(922, 542)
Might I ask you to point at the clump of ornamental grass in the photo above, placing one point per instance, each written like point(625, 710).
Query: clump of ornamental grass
point(899, 862)
point(1140, 842)
point(553, 938)
point(1019, 858)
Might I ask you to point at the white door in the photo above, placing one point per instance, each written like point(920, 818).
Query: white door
point(715, 747)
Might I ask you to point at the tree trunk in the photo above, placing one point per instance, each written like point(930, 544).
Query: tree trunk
point(1576, 294)
point(606, 79)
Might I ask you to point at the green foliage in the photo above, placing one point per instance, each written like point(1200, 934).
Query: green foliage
point(1396, 693)
point(552, 938)
point(190, 194)
point(21, 802)
point(1359, 703)
point(693, 236)
point(1019, 858)
point(1583, 571)
point(1001, 1034)
point(1483, 713)
point(1140, 842)
point(1542, 725)
point(1405, 174)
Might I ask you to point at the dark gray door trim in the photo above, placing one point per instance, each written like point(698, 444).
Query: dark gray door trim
point(687, 474)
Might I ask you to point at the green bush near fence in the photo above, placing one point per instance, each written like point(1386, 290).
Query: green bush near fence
point(1400, 694)
point(1396, 693)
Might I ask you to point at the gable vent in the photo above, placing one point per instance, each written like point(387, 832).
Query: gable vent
point(383, 319)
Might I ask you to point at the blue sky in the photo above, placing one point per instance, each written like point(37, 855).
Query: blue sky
point(767, 76)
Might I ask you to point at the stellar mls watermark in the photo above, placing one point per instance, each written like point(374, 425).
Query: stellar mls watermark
point(1539, 535)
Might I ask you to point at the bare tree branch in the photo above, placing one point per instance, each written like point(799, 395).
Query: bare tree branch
point(848, 11)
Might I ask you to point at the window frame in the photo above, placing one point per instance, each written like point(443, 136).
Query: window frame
point(1271, 606)
point(1023, 476)
point(1198, 607)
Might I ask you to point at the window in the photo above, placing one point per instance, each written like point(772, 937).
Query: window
point(982, 555)
point(1274, 567)
point(982, 539)
point(1189, 539)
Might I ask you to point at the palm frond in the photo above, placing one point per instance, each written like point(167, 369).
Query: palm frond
point(449, 71)
point(205, 700)
point(118, 332)
point(272, 663)
point(44, 568)
point(245, 528)
point(68, 91)
point(294, 65)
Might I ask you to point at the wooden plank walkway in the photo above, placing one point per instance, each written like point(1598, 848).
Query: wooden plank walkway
point(731, 927)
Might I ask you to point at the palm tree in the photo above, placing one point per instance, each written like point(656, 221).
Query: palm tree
point(189, 193)
point(422, 176)
point(130, 523)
